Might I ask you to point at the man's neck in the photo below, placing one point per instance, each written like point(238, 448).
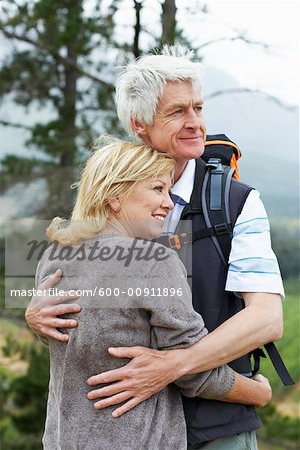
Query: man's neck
point(179, 169)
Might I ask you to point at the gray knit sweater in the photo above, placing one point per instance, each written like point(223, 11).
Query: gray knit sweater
point(124, 305)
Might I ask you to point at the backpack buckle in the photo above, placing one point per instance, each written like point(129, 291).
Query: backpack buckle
point(178, 240)
point(215, 165)
point(222, 228)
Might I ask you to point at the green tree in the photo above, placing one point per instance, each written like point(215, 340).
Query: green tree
point(59, 41)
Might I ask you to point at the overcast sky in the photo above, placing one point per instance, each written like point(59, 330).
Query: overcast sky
point(275, 23)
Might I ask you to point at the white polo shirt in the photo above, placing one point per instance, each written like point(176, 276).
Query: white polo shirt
point(253, 266)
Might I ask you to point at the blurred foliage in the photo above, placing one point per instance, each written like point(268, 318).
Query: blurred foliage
point(279, 429)
point(14, 166)
point(289, 344)
point(24, 396)
point(286, 245)
point(51, 68)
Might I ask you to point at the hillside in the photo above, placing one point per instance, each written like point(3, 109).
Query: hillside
point(267, 135)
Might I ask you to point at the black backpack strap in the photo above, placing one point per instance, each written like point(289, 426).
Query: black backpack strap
point(278, 364)
point(215, 205)
point(200, 171)
point(177, 241)
point(211, 187)
point(256, 355)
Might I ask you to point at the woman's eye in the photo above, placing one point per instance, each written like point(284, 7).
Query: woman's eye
point(158, 188)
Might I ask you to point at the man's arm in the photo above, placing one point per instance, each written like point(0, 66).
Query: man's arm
point(259, 323)
point(42, 312)
point(151, 370)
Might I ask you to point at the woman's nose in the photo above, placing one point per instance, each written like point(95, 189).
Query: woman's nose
point(167, 202)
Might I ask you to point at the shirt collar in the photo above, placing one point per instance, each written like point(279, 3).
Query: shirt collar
point(184, 186)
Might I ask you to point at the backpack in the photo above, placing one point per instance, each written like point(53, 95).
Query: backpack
point(221, 156)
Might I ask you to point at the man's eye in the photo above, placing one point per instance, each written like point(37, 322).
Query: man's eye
point(158, 188)
point(177, 112)
point(198, 109)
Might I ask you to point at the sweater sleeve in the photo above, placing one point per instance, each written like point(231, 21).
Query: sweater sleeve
point(39, 278)
point(175, 324)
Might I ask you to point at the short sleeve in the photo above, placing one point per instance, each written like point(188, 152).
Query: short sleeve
point(253, 266)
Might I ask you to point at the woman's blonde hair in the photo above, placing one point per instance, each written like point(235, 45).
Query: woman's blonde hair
point(111, 172)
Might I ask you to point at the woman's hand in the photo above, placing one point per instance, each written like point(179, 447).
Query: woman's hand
point(42, 312)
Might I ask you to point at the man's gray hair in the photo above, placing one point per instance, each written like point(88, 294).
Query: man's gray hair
point(140, 85)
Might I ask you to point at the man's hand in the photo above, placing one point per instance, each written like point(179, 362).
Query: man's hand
point(42, 312)
point(266, 390)
point(147, 373)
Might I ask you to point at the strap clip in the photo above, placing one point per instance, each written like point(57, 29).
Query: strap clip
point(222, 228)
point(178, 240)
point(215, 165)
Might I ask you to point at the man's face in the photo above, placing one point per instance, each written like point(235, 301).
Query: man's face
point(178, 127)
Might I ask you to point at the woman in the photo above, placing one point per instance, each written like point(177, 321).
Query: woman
point(133, 292)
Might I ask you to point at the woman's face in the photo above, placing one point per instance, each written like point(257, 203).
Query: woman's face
point(143, 211)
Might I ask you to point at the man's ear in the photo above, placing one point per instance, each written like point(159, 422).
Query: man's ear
point(138, 127)
point(114, 204)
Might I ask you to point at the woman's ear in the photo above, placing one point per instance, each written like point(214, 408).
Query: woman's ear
point(114, 204)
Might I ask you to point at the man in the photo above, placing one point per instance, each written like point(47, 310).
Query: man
point(159, 102)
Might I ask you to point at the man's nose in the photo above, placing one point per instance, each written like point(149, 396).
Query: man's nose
point(193, 120)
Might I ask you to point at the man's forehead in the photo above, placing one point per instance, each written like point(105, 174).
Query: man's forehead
point(179, 98)
point(178, 91)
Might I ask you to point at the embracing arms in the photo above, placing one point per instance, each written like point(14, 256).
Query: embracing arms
point(151, 370)
point(42, 313)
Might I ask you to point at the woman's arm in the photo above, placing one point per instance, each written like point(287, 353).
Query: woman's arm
point(226, 385)
point(256, 391)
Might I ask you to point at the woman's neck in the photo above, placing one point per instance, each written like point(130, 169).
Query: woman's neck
point(115, 227)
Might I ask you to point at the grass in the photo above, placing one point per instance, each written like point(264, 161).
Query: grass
point(288, 347)
point(281, 417)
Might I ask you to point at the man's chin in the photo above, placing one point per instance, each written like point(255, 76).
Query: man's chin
point(198, 151)
point(196, 147)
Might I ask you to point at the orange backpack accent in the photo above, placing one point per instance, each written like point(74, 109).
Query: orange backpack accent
point(219, 146)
